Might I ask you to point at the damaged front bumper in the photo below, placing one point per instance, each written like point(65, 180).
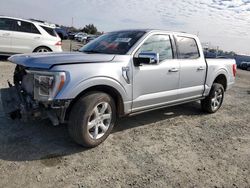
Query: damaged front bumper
point(21, 106)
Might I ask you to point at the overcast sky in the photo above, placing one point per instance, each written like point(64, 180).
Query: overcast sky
point(225, 23)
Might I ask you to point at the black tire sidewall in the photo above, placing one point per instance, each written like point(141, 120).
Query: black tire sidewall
point(80, 114)
point(207, 102)
point(215, 87)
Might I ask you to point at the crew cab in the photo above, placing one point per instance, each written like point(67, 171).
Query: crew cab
point(118, 74)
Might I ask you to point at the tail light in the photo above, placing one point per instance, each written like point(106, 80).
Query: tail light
point(234, 69)
point(59, 43)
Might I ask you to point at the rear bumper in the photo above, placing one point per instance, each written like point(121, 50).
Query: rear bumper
point(230, 85)
point(55, 48)
point(20, 106)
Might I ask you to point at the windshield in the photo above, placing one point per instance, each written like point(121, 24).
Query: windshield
point(113, 43)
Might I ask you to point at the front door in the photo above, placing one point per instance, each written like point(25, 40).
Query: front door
point(5, 35)
point(157, 84)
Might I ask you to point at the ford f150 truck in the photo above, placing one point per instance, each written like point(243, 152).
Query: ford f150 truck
point(118, 74)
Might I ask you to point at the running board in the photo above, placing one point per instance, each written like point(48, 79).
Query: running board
point(164, 106)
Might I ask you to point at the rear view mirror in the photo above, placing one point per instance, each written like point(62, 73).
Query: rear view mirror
point(148, 58)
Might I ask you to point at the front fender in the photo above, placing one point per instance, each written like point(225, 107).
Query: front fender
point(71, 93)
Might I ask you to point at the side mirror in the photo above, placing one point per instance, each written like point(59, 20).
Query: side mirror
point(148, 58)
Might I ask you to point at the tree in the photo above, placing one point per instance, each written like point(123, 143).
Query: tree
point(71, 29)
point(90, 29)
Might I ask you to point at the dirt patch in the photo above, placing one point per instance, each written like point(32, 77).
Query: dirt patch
point(173, 147)
point(52, 160)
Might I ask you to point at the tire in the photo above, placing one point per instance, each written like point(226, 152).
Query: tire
point(214, 100)
point(42, 50)
point(18, 74)
point(91, 119)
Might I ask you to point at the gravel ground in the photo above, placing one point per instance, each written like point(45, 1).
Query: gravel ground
point(173, 147)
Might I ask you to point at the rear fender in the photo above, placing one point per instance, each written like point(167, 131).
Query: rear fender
point(212, 77)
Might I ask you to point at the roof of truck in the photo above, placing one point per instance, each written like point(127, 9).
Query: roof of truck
point(158, 30)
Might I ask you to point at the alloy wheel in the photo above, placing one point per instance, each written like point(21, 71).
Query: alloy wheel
point(42, 50)
point(217, 99)
point(99, 120)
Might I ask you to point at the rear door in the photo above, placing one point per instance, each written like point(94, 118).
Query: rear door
point(6, 26)
point(192, 68)
point(25, 38)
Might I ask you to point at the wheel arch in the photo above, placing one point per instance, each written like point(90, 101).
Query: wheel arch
point(42, 46)
point(221, 79)
point(117, 97)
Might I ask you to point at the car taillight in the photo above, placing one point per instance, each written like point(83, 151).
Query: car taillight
point(59, 43)
point(234, 69)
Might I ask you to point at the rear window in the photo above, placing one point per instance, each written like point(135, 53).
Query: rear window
point(50, 31)
point(187, 48)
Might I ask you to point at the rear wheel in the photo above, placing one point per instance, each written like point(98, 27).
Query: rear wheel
point(42, 49)
point(92, 119)
point(214, 100)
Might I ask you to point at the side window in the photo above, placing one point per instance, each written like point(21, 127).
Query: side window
point(158, 44)
point(187, 48)
point(26, 27)
point(6, 24)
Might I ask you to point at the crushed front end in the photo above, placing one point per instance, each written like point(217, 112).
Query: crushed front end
point(33, 95)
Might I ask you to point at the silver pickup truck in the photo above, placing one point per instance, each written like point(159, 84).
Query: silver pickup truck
point(118, 74)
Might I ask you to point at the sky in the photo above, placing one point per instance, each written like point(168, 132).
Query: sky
point(223, 23)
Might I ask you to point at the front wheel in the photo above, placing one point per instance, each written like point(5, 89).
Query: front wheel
point(92, 119)
point(214, 100)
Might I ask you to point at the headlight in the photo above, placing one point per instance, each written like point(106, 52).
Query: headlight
point(47, 84)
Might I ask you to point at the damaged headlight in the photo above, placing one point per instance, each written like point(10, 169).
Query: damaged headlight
point(47, 84)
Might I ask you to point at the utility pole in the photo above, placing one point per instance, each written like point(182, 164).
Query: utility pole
point(217, 50)
point(70, 44)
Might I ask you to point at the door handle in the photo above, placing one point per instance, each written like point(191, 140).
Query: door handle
point(6, 34)
point(173, 70)
point(200, 68)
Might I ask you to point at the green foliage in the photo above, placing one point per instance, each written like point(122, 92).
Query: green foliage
point(90, 29)
point(72, 29)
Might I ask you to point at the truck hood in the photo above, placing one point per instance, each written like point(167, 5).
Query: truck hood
point(48, 60)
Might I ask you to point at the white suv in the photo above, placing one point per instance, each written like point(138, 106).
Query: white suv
point(26, 36)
